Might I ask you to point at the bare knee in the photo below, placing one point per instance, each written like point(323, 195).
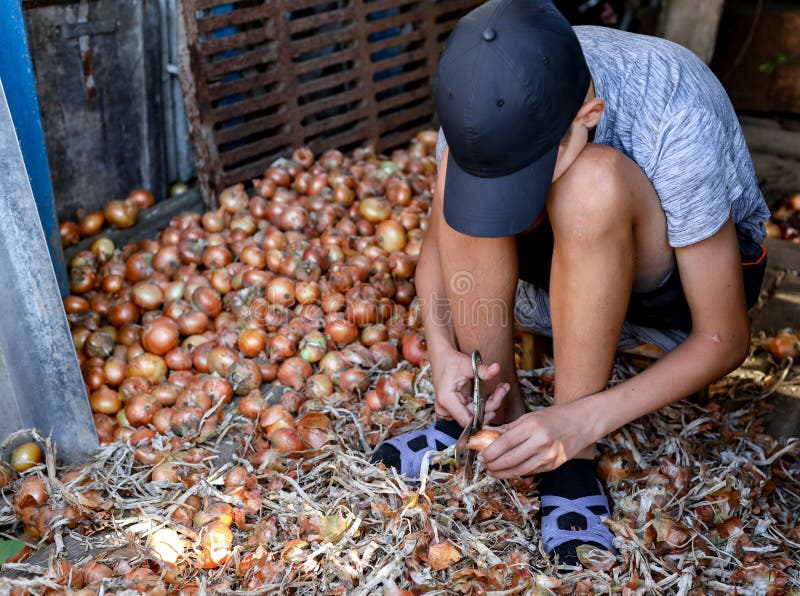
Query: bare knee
point(595, 198)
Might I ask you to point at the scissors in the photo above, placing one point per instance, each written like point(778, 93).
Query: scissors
point(466, 457)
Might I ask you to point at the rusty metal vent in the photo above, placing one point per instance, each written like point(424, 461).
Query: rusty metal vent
point(262, 77)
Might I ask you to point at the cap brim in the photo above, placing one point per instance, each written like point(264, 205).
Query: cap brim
point(497, 207)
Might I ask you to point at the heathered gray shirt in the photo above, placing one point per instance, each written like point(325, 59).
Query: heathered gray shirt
point(668, 112)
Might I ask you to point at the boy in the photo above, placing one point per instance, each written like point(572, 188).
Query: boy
point(608, 171)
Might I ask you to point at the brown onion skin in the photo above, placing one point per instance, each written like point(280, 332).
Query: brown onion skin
point(140, 409)
point(244, 376)
point(354, 381)
point(294, 372)
point(414, 347)
point(160, 336)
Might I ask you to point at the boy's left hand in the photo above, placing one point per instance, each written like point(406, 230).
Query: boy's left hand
point(537, 442)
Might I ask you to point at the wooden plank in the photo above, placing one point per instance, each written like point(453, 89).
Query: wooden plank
point(782, 254)
point(241, 16)
point(778, 141)
point(149, 223)
point(692, 24)
point(228, 88)
point(240, 131)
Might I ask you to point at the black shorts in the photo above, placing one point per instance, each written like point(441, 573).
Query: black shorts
point(663, 308)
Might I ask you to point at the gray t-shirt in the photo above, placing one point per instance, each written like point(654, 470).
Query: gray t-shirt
point(668, 112)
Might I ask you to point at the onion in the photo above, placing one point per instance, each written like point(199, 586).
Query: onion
point(341, 332)
point(244, 376)
point(286, 440)
point(294, 217)
point(313, 347)
point(374, 209)
point(70, 233)
point(150, 366)
point(75, 304)
point(294, 372)
point(372, 334)
point(121, 214)
point(361, 313)
point(385, 355)
point(166, 473)
point(354, 381)
point(81, 280)
point(178, 359)
point(307, 292)
point(94, 572)
point(99, 344)
point(160, 336)
point(30, 493)
point(279, 175)
point(391, 235)
point(220, 360)
point(373, 401)
point(215, 257)
point(398, 191)
point(482, 439)
point(783, 345)
point(64, 573)
point(147, 296)
point(193, 322)
point(414, 347)
point(115, 371)
point(292, 400)
point(318, 386)
point(207, 301)
point(142, 198)
point(314, 429)
point(274, 418)
point(251, 342)
point(333, 302)
point(25, 456)
point(105, 401)
point(186, 420)
point(216, 540)
point(281, 291)
point(233, 199)
point(333, 364)
point(251, 405)
point(281, 347)
point(103, 248)
point(613, 467)
point(140, 409)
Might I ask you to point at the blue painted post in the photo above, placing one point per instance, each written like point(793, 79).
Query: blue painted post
point(16, 74)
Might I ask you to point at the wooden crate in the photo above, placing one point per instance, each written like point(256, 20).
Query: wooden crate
point(262, 77)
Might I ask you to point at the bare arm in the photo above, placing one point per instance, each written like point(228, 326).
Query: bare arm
point(431, 290)
point(712, 281)
point(451, 370)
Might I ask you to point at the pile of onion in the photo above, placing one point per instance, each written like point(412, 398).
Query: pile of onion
point(116, 213)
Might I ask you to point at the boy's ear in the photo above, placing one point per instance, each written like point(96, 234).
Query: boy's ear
point(590, 112)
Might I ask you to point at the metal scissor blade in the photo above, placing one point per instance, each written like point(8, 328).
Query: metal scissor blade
point(466, 457)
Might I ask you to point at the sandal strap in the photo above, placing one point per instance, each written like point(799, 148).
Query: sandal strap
point(410, 460)
point(596, 531)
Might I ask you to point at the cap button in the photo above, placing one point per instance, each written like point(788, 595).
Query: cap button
point(489, 34)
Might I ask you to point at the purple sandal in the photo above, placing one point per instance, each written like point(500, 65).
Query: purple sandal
point(406, 451)
point(564, 541)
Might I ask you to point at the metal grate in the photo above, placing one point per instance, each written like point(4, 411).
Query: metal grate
point(264, 76)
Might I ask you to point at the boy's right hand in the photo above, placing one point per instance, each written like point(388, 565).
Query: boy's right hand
point(452, 382)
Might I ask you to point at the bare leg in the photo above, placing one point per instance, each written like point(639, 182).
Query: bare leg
point(609, 233)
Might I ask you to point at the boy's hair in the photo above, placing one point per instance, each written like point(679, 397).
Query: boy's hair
point(566, 137)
